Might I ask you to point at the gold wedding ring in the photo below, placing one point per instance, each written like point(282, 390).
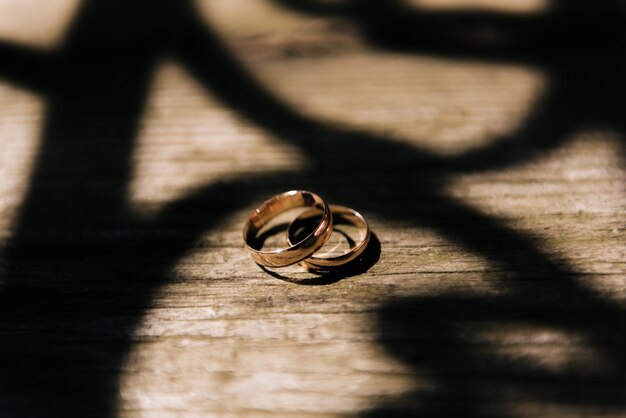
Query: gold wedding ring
point(298, 251)
point(341, 214)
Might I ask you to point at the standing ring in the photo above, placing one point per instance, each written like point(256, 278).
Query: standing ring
point(301, 249)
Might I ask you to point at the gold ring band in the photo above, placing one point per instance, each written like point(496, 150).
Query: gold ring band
point(341, 214)
point(295, 252)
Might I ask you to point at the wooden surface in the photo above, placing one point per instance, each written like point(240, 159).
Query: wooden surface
point(136, 140)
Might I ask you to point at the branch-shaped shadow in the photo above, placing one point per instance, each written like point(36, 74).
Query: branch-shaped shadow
point(78, 280)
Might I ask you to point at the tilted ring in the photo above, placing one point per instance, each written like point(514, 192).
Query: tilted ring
point(341, 214)
point(295, 252)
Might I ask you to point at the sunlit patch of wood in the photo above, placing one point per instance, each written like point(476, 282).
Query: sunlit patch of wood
point(324, 71)
point(259, 377)
point(189, 139)
point(259, 19)
point(36, 23)
point(589, 162)
point(21, 117)
point(239, 350)
point(429, 103)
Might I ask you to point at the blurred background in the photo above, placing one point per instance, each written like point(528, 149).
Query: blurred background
point(482, 139)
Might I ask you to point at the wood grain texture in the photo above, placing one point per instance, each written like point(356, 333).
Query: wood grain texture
point(125, 290)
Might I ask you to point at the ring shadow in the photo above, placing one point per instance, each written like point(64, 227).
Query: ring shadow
point(81, 271)
point(356, 267)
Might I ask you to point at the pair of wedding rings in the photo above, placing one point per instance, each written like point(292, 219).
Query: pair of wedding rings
point(302, 250)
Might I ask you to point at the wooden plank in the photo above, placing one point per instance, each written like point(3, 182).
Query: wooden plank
point(125, 290)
